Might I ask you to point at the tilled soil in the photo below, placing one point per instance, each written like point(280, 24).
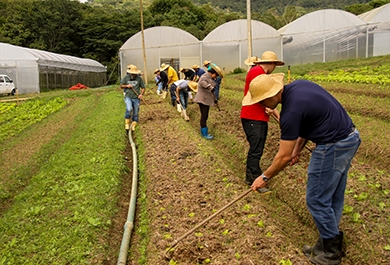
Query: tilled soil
point(189, 178)
point(188, 181)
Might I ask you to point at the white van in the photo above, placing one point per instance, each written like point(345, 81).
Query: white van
point(7, 86)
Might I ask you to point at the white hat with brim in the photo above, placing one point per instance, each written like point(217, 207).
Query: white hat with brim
point(156, 71)
point(269, 57)
point(216, 69)
point(263, 87)
point(164, 67)
point(193, 86)
point(132, 69)
point(250, 61)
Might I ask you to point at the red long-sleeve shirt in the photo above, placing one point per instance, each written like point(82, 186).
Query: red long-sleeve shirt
point(255, 111)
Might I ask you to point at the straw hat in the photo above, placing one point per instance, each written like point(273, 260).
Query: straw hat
point(216, 69)
point(156, 71)
point(195, 66)
point(262, 87)
point(269, 57)
point(193, 86)
point(250, 61)
point(164, 67)
point(132, 69)
point(206, 63)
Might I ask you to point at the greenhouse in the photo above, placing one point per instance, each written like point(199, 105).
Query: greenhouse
point(320, 36)
point(34, 70)
point(324, 36)
point(227, 45)
point(378, 21)
point(163, 45)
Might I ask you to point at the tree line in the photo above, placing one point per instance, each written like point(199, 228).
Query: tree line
point(98, 28)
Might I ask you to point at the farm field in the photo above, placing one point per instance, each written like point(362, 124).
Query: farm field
point(66, 179)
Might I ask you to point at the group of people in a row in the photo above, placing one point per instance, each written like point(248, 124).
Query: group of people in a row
point(205, 83)
point(308, 113)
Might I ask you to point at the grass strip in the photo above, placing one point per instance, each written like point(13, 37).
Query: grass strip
point(68, 205)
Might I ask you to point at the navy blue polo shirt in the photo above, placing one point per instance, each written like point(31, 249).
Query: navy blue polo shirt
point(310, 112)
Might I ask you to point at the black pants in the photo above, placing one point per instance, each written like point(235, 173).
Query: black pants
point(204, 114)
point(256, 134)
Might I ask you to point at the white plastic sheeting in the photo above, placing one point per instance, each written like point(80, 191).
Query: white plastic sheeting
point(163, 45)
point(324, 36)
point(33, 69)
point(227, 45)
point(321, 36)
point(378, 21)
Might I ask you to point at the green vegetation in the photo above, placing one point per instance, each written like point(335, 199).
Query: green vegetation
point(70, 200)
point(17, 117)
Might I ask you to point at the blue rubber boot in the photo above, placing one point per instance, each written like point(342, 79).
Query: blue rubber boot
point(205, 133)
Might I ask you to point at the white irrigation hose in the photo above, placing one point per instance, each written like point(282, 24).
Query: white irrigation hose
point(128, 227)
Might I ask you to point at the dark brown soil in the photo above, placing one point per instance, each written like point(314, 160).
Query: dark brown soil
point(189, 178)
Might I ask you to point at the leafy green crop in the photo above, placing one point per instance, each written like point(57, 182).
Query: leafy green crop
point(363, 75)
point(15, 118)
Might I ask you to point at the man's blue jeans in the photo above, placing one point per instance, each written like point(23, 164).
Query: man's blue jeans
point(328, 173)
point(132, 107)
point(183, 94)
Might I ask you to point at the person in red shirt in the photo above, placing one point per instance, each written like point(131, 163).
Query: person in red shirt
point(254, 118)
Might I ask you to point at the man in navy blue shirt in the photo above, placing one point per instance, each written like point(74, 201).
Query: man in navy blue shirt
point(198, 72)
point(309, 112)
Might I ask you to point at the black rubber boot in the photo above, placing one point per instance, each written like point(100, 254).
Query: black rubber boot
point(312, 251)
point(332, 252)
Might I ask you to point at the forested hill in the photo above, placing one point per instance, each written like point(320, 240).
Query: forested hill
point(258, 6)
point(280, 5)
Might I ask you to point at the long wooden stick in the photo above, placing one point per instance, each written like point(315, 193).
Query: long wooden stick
point(263, 191)
point(145, 103)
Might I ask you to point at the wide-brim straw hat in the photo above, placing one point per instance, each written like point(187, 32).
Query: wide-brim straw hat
point(193, 86)
point(250, 61)
point(206, 63)
point(195, 66)
point(164, 67)
point(156, 71)
point(269, 57)
point(263, 87)
point(216, 69)
point(132, 69)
